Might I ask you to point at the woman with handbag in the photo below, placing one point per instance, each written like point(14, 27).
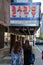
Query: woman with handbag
point(27, 53)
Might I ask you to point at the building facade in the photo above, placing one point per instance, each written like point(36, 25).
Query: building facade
point(42, 23)
point(1, 10)
point(4, 10)
point(4, 18)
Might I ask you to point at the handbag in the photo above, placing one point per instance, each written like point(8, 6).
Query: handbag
point(32, 58)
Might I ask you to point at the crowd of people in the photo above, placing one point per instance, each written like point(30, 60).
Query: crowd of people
point(22, 53)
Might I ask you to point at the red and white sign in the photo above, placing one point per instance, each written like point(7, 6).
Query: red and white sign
point(25, 14)
point(23, 10)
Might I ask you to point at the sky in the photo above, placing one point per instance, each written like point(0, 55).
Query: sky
point(41, 4)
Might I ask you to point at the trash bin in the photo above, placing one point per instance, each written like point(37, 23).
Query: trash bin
point(42, 55)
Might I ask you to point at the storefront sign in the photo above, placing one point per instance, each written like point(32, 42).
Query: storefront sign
point(25, 11)
point(24, 23)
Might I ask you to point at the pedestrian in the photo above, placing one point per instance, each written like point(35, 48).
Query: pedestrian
point(17, 54)
point(27, 53)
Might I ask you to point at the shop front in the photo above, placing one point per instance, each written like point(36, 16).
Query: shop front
point(24, 18)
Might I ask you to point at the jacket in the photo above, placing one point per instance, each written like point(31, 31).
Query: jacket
point(17, 58)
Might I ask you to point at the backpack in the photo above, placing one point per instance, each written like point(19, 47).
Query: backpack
point(32, 58)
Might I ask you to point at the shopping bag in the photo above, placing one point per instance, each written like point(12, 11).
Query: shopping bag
point(32, 58)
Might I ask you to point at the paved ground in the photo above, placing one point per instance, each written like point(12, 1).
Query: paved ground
point(38, 55)
point(6, 60)
point(40, 47)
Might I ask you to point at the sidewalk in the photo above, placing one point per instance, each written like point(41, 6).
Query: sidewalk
point(3, 52)
point(38, 61)
point(5, 58)
point(38, 56)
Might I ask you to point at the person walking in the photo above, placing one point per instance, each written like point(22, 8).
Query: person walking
point(27, 53)
point(17, 54)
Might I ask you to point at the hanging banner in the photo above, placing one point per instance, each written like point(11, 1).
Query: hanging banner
point(25, 11)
